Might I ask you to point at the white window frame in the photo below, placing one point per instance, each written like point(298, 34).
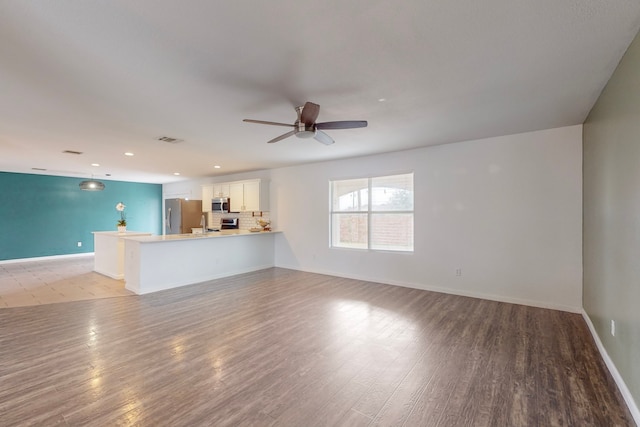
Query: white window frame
point(369, 213)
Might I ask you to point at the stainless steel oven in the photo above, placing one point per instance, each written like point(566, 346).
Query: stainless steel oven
point(229, 223)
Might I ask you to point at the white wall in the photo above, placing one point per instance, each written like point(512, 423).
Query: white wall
point(506, 210)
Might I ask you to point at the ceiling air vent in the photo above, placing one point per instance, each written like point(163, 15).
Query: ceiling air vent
point(38, 169)
point(170, 140)
point(72, 152)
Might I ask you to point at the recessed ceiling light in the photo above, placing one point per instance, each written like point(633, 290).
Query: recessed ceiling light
point(216, 167)
point(95, 164)
point(381, 99)
point(176, 173)
point(128, 154)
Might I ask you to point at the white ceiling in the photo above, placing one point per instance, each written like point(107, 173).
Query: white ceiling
point(105, 77)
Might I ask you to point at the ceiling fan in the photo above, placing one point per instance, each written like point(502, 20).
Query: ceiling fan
point(306, 127)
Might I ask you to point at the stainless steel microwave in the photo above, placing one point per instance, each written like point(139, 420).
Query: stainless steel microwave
point(220, 205)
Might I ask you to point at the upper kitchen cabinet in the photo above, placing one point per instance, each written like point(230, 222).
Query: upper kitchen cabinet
point(249, 196)
point(221, 190)
point(207, 195)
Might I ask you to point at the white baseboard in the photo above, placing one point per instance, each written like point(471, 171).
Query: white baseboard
point(47, 258)
point(108, 274)
point(622, 386)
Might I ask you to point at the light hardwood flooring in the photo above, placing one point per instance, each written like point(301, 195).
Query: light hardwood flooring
point(55, 280)
point(285, 348)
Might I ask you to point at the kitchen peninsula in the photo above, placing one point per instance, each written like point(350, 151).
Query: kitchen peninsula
point(155, 263)
point(108, 247)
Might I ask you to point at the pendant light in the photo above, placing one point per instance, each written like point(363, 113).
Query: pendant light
point(91, 185)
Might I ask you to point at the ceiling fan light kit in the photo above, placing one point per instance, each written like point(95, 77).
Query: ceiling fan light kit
point(306, 127)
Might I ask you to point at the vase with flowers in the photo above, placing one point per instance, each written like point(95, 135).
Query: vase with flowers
point(122, 222)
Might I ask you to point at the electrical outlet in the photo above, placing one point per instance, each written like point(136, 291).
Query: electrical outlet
point(79, 244)
point(613, 327)
point(458, 272)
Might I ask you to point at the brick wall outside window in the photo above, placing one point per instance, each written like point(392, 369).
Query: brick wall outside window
point(373, 213)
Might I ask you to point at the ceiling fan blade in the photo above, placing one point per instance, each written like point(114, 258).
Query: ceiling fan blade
point(323, 137)
point(262, 122)
point(309, 113)
point(281, 137)
point(345, 124)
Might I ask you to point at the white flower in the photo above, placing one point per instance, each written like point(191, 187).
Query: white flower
point(123, 217)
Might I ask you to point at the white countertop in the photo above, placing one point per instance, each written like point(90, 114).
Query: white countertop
point(191, 236)
point(123, 234)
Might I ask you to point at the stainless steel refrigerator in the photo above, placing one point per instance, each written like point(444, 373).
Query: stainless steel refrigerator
point(181, 215)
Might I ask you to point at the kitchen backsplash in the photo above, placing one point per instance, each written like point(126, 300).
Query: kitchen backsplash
point(245, 222)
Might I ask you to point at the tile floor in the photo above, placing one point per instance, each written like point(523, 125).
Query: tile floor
point(50, 281)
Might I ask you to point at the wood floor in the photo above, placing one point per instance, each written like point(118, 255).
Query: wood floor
point(286, 348)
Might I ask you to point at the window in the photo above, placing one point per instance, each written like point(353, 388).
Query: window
point(373, 213)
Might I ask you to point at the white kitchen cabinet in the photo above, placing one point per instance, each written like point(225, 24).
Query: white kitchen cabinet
point(207, 195)
point(252, 196)
point(236, 197)
point(221, 190)
point(249, 196)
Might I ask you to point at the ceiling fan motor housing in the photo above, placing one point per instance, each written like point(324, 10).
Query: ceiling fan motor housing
point(304, 131)
point(306, 127)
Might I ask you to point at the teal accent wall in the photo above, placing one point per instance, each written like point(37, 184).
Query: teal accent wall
point(42, 215)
